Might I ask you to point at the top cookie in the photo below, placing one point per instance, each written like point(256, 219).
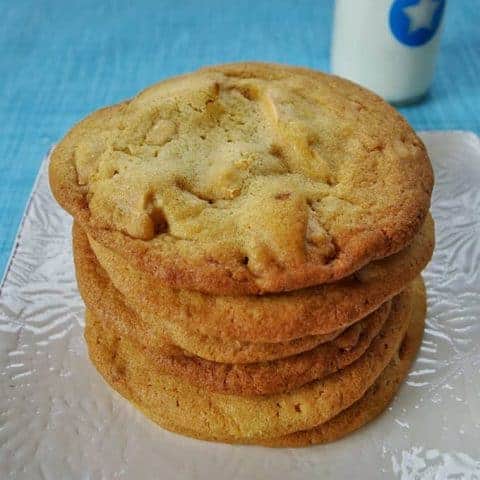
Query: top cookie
point(246, 178)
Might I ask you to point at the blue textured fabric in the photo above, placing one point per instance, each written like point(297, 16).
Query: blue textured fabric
point(60, 60)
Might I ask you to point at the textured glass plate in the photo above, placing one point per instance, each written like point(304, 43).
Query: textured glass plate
point(59, 420)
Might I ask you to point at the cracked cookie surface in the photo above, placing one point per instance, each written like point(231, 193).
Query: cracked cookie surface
point(246, 178)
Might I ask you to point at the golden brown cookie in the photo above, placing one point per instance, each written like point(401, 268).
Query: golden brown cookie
point(268, 318)
point(193, 411)
point(98, 292)
point(246, 178)
point(265, 378)
point(378, 396)
point(285, 374)
point(230, 350)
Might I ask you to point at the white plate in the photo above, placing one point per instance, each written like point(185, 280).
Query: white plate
point(58, 419)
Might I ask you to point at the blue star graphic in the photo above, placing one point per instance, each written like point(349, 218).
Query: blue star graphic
point(415, 22)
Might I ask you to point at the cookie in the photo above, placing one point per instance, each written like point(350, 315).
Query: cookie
point(378, 396)
point(218, 349)
point(98, 292)
point(263, 378)
point(269, 318)
point(181, 407)
point(246, 179)
point(107, 305)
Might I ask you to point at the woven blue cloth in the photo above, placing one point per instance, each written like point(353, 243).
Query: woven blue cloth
point(61, 60)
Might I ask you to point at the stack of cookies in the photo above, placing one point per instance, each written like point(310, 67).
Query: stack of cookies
point(248, 241)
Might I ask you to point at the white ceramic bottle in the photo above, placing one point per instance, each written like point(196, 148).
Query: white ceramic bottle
point(388, 46)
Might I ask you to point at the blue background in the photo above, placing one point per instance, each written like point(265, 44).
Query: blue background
point(60, 59)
